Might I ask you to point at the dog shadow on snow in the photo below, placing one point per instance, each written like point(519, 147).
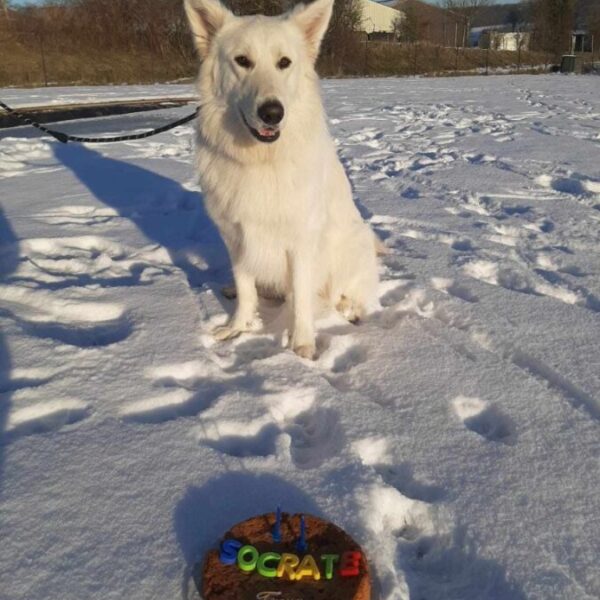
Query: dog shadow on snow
point(163, 210)
point(9, 259)
point(170, 215)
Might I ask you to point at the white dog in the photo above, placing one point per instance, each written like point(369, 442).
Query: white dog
point(269, 172)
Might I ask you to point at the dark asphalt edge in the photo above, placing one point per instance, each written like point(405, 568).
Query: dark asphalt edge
point(51, 114)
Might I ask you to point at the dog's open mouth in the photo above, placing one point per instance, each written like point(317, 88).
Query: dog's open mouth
point(264, 134)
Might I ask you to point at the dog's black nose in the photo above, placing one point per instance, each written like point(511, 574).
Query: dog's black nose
point(271, 112)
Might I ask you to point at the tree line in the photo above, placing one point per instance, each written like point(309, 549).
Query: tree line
point(105, 41)
point(155, 27)
point(549, 23)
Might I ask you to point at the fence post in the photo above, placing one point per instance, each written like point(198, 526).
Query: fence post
point(487, 60)
point(43, 56)
point(456, 63)
point(415, 58)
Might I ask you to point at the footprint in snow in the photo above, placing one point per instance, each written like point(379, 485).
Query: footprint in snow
point(342, 354)
point(397, 523)
point(172, 405)
point(393, 291)
point(415, 536)
point(292, 424)
point(27, 378)
point(485, 419)
point(82, 334)
point(44, 417)
point(52, 264)
point(538, 282)
point(83, 215)
point(316, 436)
point(450, 287)
point(189, 388)
point(376, 453)
point(260, 443)
point(255, 349)
point(395, 267)
point(72, 322)
point(435, 564)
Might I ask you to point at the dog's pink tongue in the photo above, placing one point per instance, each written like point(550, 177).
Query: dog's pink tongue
point(266, 132)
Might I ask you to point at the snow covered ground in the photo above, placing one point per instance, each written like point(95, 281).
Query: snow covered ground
point(22, 97)
point(455, 433)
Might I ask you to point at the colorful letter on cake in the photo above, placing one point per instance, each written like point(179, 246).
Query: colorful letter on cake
point(247, 558)
point(349, 567)
point(229, 551)
point(308, 568)
point(265, 558)
point(329, 560)
point(287, 564)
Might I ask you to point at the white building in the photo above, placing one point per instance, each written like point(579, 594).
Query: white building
point(377, 17)
point(497, 38)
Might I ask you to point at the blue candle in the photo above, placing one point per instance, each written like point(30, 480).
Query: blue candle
point(302, 546)
point(277, 527)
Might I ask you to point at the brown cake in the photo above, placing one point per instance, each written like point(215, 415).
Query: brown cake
point(250, 565)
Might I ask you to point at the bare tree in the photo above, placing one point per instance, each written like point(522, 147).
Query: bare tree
point(515, 19)
point(255, 7)
point(341, 47)
point(468, 10)
point(553, 22)
point(593, 25)
point(408, 27)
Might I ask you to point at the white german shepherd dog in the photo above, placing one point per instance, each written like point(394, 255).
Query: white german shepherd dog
point(269, 172)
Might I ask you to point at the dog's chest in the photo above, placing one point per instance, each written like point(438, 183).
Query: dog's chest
point(264, 212)
point(264, 200)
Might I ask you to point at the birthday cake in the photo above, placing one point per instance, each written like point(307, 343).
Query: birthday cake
point(278, 556)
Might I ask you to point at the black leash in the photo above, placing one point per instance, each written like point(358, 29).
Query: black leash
point(65, 137)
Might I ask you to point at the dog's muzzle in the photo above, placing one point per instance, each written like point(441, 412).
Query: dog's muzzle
point(271, 114)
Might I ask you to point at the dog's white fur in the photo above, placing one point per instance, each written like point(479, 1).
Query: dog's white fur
point(285, 208)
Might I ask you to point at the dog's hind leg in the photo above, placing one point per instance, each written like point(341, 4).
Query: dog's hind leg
point(356, 275)
point(350, 309)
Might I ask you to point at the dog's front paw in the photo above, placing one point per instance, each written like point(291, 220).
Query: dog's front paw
point(236, 327)
point(226, 332)
point(306, 351)
point(302, 342)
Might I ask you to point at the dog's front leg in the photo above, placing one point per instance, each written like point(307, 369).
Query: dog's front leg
point(302, 292)
point(244, 318)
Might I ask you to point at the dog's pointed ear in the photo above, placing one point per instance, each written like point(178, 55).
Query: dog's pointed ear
point(206, 17)
point(313, 20)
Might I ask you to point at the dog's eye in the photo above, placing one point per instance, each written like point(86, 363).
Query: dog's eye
point(284, 63)
point(244, 62)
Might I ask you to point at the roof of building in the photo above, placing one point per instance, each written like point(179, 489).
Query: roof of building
point(378, 17)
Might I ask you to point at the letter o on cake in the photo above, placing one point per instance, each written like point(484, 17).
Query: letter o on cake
point(247, 558)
